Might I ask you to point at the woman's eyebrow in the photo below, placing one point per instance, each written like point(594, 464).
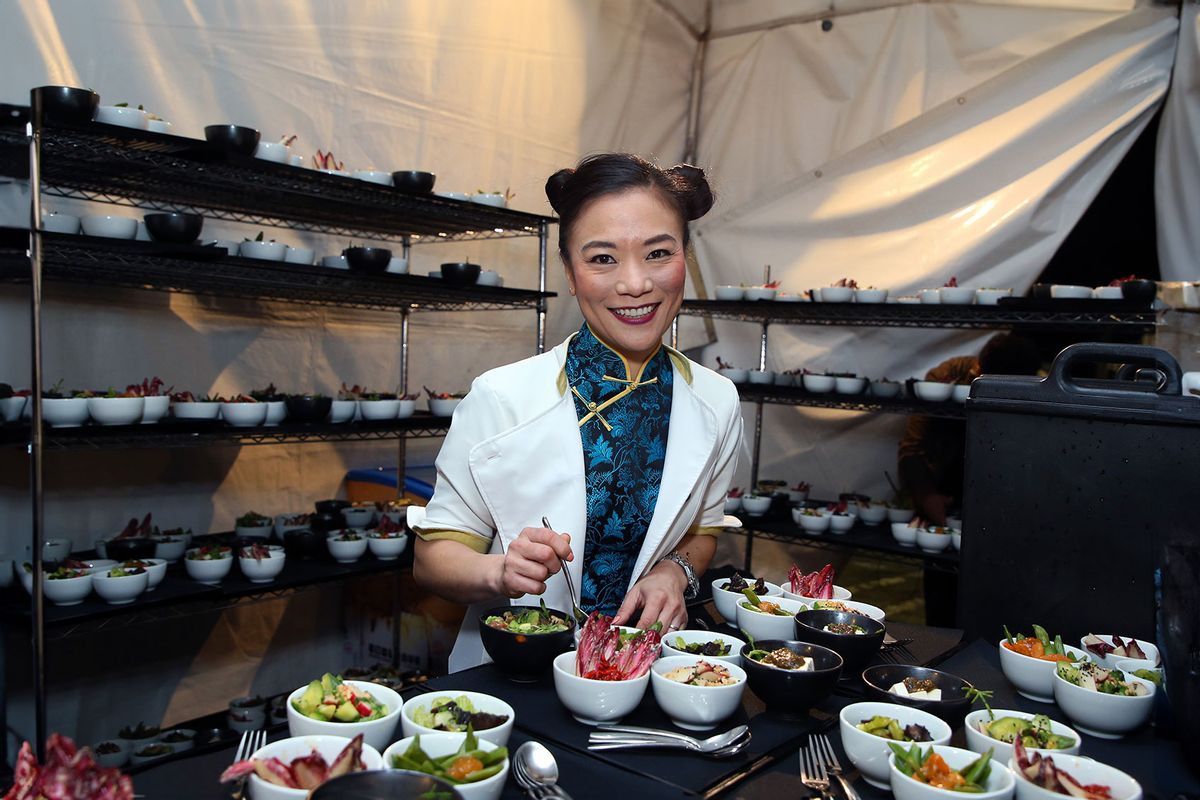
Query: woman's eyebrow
point(662, 237)
point(598, 244)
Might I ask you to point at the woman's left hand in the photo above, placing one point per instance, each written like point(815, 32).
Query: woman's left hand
point(660, 596)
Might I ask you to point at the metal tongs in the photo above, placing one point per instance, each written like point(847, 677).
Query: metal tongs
point(576, 611)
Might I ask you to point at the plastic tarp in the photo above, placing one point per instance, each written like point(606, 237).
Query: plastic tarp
point(1177, 169)
point(906, 145)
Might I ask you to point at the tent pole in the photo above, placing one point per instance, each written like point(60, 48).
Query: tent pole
point(690, 155)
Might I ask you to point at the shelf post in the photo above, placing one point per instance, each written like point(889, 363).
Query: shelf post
point(34, 132)
point(543, 242)
point(758, 425)
point(402, 447)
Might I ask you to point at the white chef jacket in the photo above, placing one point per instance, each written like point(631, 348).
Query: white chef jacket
point(513, 454)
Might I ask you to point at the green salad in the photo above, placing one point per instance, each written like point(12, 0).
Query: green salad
point(455, 714)
point(333, 700)
point(470, 764)
point(528, 621)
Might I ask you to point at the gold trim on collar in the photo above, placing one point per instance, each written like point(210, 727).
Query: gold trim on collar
point(682, 365)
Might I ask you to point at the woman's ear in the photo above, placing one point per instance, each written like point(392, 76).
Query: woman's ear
point(570, 278)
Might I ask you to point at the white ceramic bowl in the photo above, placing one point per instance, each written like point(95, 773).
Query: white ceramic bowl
point(125, 116)
point(818, 384)
point(1085, 771)
point(839, 593)
point(111, 760)
point(760, 626)
point(287, 750)
point(736, 375)
point(196, 411)
point(760, 293)
point(956, 539)
point(1110, 661)
point(375, 410)
point(13, 408)
point(295, 160)
point(733, 505)
point(159, 126)
point(399, 266)
point(346, 552)
point(481, 702)
point(850, 385)
point(494, 199)
point(810, 524)
point(122, 590)
point(156, 570)
point(931, 542)
point(870, 753)
point(210, 571)
point(155, 408)
point(785, 379)
point(1032, 677)
point(961, 392)
point(980, 742)
point(260, 531)
point(999, 785)
point(900, 514)
point(730, 293)
point(957, 295)
point(907, 300)
point(67, 591)
point(1063, 292)
point(387, 549)
point(264, 251)
point(373, 176)
point(873, 514)
point(726, 601)
point(276, 152)
point(699, 637)
point(116, 410)
point(56, 222)
point(840, 523)
point(932, 391)
point(377, 733)
point(930, 296)
point(904, 534)
point(991, 297)
point(696, 708)
point(99, 564)
point(299, 255)
point(487, 277)
point(244, 415)
point(342, 411)
point(140, 757)
point(111, 226)
point(169, 548)
point(592, 702)
point(460, 196)
point(836, 294)
point(406, 408)
point(755, 506)
point(282, 525)
point(66, 412)
point(358, 517)
point(438, 745)
point(335, 262)
point(276, 412)
point(265, 569)
point(443, 407)
point(1108, 293)
point(870, 295)
point(760, 376)
point(1107, 716)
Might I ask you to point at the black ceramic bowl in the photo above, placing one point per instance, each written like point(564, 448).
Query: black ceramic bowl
point(130, 549)
point(1140, 291)
point(1040, 291)
point(413, 182)
point(303, 543)
point(367, 259)
point(307, 407)
point(792, 691)
point(855, 649)
point(460, 273)
point(232, 138)
point(174, 228)
point(524, 657)
point(371, 785)
point(952, 707)
point(67, 104)
point(326, 521)
point(335, 506)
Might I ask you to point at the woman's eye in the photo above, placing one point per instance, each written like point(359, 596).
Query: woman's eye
point(602, 258)
point(660, 253)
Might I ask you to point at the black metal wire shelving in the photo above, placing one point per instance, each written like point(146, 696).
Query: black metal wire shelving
point(797, 396)
point(877, 540)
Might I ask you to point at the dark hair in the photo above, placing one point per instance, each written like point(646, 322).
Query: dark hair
point(684, 187)
point(1009, 354)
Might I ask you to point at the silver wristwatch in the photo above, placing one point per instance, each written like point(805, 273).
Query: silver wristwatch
point(693, 587)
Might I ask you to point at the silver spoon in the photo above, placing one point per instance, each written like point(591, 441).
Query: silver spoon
point(724, 752)
point(538, 765)
point(576, 611)
point(652, 737)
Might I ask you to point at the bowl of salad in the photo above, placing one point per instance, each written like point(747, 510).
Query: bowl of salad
point(937, 772)
point(706, 644)
point(523, 640)
point(476, 767)
point(119, 585)
point(854, 636)
point(333, 707)
point(997, 730)
point(1109, 649)
point(768, 618)
point(868, 727)
point(451, 712)
point(944, 695)
point(65, 586)
point(346, 546)
point(1106, 703)
point(1028, 661)
point(209, 564)
point(253, 525)
point(695, 692)
point(727, 593)
point(1051, 776)
point(789, 676)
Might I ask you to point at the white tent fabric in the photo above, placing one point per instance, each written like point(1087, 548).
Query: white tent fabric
point(1177, 170)
point(900, 166)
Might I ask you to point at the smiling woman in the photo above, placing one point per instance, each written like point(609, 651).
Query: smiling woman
point(624, 442)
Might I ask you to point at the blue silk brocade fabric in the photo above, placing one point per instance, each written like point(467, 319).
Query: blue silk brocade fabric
point(623, 467)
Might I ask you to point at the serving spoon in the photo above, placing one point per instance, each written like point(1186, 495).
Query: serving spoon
point(576, 611)
point(607, 736)
point(537, 771)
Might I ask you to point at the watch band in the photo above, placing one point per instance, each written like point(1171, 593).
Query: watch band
point(693, 588)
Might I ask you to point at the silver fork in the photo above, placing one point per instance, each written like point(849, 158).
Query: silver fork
point(252, 742)
point(812, 771)
point(834, 766)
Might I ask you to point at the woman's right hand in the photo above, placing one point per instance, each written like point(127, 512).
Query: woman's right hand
point(531, 559)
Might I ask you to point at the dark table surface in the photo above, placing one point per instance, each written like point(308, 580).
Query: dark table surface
point(767, 770)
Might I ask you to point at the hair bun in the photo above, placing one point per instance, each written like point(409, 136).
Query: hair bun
point(697, 193)
point(556, 187)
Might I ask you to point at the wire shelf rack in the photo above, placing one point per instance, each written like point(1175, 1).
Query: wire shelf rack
point(797, 396)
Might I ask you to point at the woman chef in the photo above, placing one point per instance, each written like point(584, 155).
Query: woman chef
point(614, 438)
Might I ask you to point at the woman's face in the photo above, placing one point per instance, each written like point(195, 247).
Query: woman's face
point(627, 269)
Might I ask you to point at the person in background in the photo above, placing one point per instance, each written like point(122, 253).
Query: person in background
point(931, 452)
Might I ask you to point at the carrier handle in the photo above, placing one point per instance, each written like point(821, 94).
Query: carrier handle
point(1131, 356)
